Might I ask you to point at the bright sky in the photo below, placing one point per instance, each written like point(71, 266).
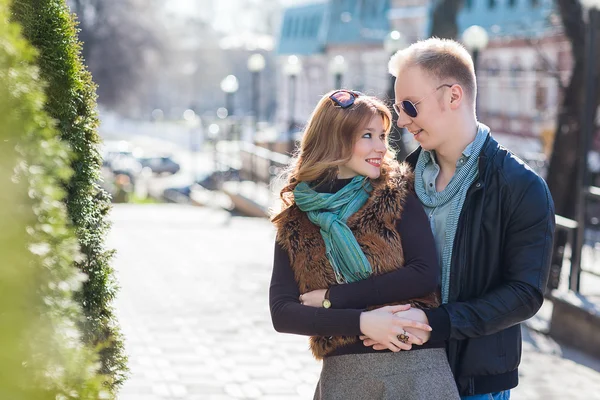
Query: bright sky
point(218, 12)
point(222, 12)
point(189, 7)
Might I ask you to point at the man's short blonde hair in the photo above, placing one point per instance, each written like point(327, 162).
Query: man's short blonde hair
point(443, 59)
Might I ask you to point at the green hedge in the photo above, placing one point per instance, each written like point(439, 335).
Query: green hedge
point(50, 27)
point(41, 353)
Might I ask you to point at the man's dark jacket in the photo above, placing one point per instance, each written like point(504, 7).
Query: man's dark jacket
point(499, 268)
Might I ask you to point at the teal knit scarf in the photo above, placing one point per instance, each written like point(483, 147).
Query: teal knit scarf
point(330, 211)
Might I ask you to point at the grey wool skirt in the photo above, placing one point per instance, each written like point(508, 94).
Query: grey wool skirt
point(406, 375)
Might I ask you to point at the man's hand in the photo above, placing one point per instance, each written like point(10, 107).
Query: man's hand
point(417, 333)
point(314, 298)
point(385, 328)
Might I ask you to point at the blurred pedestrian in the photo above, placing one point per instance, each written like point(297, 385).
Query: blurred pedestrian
point(123, 189)
point(350, 215)
point(491, 215)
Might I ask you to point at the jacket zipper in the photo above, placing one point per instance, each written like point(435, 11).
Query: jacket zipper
point(463, 225)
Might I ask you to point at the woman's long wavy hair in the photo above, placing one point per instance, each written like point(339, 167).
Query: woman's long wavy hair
point(328, 142)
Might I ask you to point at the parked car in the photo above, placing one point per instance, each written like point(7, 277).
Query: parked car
point(160, 164)
point(113, 149)
point(177, 194)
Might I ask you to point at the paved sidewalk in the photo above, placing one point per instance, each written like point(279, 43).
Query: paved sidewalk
point(193, 307)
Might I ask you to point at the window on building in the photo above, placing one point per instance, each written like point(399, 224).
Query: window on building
point(380, 8)
point(492, 67)
point(516, 72)
point(469, 4)
point(290, 27)
point(372, 9)
point(512, 3)
point(367, 9)
point(535, 3)
point(315, 26)
point(492, 3)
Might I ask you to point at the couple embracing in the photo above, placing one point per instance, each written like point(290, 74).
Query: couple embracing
point(411, 278)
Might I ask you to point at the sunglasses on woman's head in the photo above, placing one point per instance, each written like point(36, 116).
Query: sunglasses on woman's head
point(410, 108)
point(345, 98)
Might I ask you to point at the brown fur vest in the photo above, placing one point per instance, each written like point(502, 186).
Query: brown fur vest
point(374, 228)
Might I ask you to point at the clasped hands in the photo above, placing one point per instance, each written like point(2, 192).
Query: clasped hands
point(382, 328)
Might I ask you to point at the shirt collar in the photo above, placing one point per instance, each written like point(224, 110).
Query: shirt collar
point(482, 130)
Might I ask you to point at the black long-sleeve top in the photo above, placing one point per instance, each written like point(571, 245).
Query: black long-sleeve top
point(418, 277)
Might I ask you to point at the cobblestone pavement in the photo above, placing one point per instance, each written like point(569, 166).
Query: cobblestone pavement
point(193, 307)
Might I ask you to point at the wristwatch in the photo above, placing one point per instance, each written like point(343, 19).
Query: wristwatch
point(326, 302)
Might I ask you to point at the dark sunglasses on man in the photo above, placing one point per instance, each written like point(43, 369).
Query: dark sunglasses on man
point(410, 108)
point(345, 98)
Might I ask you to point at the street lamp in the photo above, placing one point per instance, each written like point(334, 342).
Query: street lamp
point(393, 43)
point(337, 68)
point(193, 123)
point(475, 39)
point(213, 135)
point(229, 85)
point(256, 63)
point(588, 116)
point(292, 69)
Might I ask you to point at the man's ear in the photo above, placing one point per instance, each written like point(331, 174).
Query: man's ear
point(457, 95)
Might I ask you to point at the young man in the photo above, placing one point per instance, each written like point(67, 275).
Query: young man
point(492, 219)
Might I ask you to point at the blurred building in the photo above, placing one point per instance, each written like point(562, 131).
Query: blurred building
point(520, 70)
point(410, 18)
point(336, 43)
point(342, 43)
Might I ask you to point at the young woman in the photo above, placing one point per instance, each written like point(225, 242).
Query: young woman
point(352, 239)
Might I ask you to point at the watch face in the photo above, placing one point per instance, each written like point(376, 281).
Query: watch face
point(326, 303)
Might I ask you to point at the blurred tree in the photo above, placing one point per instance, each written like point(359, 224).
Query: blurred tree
point(444, 18)
point(562, 171)
point(41, 354)
point(49, 26)
point(122, 46)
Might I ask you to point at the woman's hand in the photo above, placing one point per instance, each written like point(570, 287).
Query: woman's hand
point(389, 331)
point(417, 335)
point(314, 298)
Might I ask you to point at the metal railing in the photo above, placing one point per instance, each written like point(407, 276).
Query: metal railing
point(567, 227)
point(260, 164)
point(592, 233)
point(588, 262)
